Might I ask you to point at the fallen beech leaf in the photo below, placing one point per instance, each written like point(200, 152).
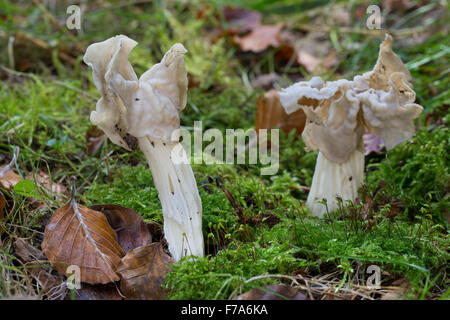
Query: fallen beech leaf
point(76, 235)
point(94, 140)
point(128, 224)
point(58, 191)
point(260, 38)
point(241, 20)
point(372, 143)
point(273, 292)
point(270, 114)
point(142, 272)
point(98, 292)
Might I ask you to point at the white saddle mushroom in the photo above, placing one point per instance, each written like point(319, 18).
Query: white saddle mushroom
point(145, 111)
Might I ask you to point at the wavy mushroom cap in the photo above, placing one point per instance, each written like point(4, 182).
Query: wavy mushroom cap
point(380, 101)
point(132, 107)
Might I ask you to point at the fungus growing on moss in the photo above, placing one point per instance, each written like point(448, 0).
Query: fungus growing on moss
point(338, 113)
point(145, 112)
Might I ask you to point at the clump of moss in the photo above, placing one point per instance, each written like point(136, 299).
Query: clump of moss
point(416, 173)
point(415, 250)
point(131, 187)
point(223, 276)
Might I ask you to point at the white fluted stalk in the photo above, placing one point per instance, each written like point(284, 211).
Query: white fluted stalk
point(180, 200)
point(332, 179)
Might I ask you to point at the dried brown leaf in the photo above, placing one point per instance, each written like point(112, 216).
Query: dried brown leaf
point(76, 235)
point(273, 292)
point(142, 272)
point(260, 38)
point(128, 224)
point(270, 114)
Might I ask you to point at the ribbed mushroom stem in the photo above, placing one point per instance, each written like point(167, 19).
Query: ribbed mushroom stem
point(180, 200)
point(333, 179)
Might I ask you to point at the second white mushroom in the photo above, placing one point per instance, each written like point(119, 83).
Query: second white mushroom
point(380, 101)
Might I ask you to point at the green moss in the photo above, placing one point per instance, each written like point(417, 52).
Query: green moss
point(131, 187)
point(417, 251)
point(224, 275)
point(416, 173)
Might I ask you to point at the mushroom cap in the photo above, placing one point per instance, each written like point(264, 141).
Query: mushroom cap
point(380, 101)
point(132, 107)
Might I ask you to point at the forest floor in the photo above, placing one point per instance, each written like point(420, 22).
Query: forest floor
point(257, 229)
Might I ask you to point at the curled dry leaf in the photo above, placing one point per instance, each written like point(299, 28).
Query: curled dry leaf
point(128, 224)
point(76, 235)
point(95, 138)
point(142, 272)
point(270, 114)
point(273, 292)
point(260, 38)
